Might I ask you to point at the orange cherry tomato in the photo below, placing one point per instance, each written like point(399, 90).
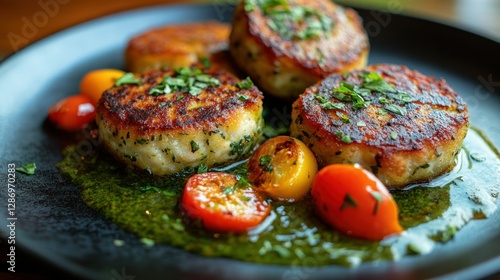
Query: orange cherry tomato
point(223, 202)
point(94, 83)
point(355, 202)
point(73, 113)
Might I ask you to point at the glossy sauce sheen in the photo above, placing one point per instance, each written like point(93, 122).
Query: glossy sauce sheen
point(292, 234)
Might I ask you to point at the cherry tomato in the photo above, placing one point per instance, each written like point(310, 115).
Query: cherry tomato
point(73, 113)
point(355, 202)
point(223, 202)
point(94, 83)
point(283, 168)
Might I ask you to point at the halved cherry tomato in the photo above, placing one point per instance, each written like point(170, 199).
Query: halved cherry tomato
point(355, 202)
point(283, 168)
point(73, 113)
point(94, 83)
point(223, 202)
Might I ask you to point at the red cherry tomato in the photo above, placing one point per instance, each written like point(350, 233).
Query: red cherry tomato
point(355, 202)
point(223, 202)
point(73, 113)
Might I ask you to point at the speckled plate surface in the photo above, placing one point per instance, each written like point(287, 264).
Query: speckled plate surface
point(54, 226)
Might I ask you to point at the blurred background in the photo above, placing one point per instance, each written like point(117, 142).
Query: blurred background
point(24, 22)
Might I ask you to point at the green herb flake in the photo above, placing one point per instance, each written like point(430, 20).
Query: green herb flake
point(393, 108)
point(348, 202)
point(194, 146)
point(205, 62)
point(266, 161)
point(361, 124)
point(394, 135)
point(118, 243)
point(245, 84)
point(28, 168)
point(242, 183)
point(202, 168)
point(147, 242)
point(127, 79)
point(378, 198)
point(346, 138)
point(191, 81)
point(243, 98)
point(373, 81)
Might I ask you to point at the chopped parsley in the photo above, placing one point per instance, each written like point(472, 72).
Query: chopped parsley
point(280, 16)
point(201, 169)
point(194, 146)
point(396, 109)
point(127, 79)
point(374, 82)
point(187, 80)
point(348, 202)
point(266, 161)
point(28, 168)
point(394, 135)
point(378, 198)
point(242, 183)
point(245, 84)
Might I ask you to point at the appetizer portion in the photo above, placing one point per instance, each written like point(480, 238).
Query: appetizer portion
point(286, 46)
point(182, 45)
point(403, 126)
point(166, 120)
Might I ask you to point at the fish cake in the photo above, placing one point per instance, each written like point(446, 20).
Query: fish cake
point(286, 46)
point(176, 119)
point(404, 126)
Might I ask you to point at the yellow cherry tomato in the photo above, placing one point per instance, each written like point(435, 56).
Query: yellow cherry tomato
point(283, 168)
point(94, 83)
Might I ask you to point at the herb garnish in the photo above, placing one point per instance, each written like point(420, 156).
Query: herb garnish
point(245, 84)
point(394, 135)
point(192, 81)
point(127, 79)
point(28, 168)
point(372, 82)
point(242, 183)
point(396, 109)
point(378, 198)
point(281, 16)
point(201, 169)
point(348, 202)
point(194, 146)
point(266, 161)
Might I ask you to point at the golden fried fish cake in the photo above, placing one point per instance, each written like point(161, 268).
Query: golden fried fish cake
point(183, 118)
point(286, 46)
point(404, 126)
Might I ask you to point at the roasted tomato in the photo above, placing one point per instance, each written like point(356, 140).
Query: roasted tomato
point(355, 202)
point(223, 202)
point(73, 113)
point(94, 83)
point(283, 168)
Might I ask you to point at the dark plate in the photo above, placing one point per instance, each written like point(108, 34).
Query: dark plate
point(56, 227)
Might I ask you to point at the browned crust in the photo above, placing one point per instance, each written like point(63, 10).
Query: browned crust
point(342, 49)
point(177, 45)
point(435, 114)
point(132, 107)
point(198, 37)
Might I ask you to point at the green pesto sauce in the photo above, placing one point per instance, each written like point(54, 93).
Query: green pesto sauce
point(430, 213)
